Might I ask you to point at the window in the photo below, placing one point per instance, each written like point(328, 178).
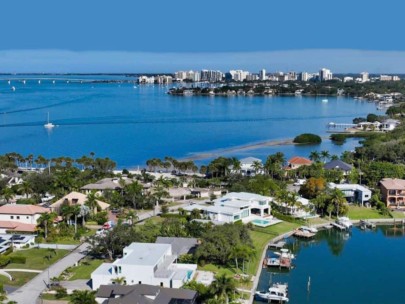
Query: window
point(140, 282)
point(12, 217)
point(18, 217)
point(161, 284)
point(119, 269)
point(28, 217)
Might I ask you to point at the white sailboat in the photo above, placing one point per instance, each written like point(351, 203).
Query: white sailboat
point(49, 125)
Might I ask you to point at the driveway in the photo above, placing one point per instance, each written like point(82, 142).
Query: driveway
point(29, 293)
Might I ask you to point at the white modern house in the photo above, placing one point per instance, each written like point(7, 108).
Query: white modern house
point(145, 263)
point(236, 206)
point(248, 167)
point(303, 208)
point(353, 192)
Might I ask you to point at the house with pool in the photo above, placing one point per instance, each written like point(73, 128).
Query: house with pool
point(237, 206)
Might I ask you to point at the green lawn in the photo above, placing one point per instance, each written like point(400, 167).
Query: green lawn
point(36, 258)
point(262, 236)
point(19, 278)
point(85, 268)
point(358, 213)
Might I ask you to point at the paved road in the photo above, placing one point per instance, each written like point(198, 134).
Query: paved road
point(29, 293)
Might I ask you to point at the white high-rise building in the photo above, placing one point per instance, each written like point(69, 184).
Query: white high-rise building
point(262, 75)
point(180, 75)
point(238, 75)
point(325, 75)
point(305, 76)
point(364, 77)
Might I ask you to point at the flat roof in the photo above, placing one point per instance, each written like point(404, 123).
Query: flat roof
point(144, 254)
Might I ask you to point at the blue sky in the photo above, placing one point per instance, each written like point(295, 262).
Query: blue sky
point(140, 31)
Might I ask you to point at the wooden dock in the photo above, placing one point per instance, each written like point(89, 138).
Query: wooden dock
point(278, 245)
point(304, 234)
point(340, 227)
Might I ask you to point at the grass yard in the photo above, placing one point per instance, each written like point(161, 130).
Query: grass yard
point(261, 237)
point(85, 268)
point(36, 258)
point(358, 213)
point(19, 278)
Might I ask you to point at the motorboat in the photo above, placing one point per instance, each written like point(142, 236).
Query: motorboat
point(277, 293)
point(13, 89)
point(344, 221)
point(309, 229)
point(285, 253)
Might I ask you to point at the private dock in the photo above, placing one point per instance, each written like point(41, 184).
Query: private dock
point(277, 245)
point(338, 226)
point(304, 234)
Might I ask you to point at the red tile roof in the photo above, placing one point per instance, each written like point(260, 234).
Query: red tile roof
point(393, 183)
point(16, 226)
point(22, 209)
point(297, 160)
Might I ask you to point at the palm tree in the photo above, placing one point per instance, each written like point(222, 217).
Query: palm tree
point(337, 199)
point(25, 188)
point(133, 191)
point(325, 155)
point(257, 166)
point(8, 194)
point(223, 286)
point(314, 156)
point(236, 165)
point(45, 220)
point(131, 216)
point(83, 297)
point(91, 202)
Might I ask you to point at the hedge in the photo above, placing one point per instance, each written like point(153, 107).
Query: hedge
point(18, 259)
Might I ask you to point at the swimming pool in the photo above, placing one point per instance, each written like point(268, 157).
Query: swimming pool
point(261, 223)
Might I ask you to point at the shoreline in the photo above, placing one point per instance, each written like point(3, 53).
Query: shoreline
point(246, 147)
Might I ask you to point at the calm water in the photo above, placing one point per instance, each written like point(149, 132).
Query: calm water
point(131, 125)
point(357, 267)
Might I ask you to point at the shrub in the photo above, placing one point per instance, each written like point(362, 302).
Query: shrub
point(307, 138)
point(4, 260)
point(100, 217)
point(18, 259)
point(61, 292)
point(8, 251)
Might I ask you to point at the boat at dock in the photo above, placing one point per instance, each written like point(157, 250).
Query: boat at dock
point(344, 221)
point(309, 229)
point(283, 260)
point(304, 233)
point(277, 293)
point(366, 224)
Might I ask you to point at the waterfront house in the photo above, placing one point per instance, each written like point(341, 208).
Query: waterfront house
point(339, 165)
point(77, 198)
point(20, 218)
point(248, 167)
point(297, 162)
point(393, 192)
point(206, 192)
point(144, 294)
point(235, 206)
point(354, 193)
point(145, 263)
point(302, 209)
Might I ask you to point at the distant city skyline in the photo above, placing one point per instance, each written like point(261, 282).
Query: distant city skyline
point(310, 60)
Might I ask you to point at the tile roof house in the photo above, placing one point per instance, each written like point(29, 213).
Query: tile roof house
point(296, 162)
point(107, 184)
point(393, 192)
point(144, 294)
point(20, 218)
point(76, 198)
